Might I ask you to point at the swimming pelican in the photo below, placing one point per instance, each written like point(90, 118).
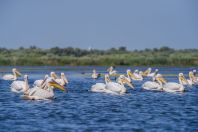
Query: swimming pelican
point(43, 92)
point(138, 74)
point(152, 85)
point(13, 76)
point(62, 80)
point(111, 71)
point(170, 86)
point(183, 80)
point(132, 76)
point(19, 86)
point(147, 72)
point(95, 75)
point(192, 79)
point(111, 87)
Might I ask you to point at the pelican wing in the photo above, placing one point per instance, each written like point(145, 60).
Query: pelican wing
point(38, 83)
point(173, 87)
point(17, 86)
point(98, 87)
point(42, 93)
point(149, 85)
point(115, 87)
point(8, 77)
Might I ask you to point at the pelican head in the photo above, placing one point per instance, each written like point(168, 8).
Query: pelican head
point(94, 70)
point(124, 80)
point(107, 79)
point(149, 69)
point(46, 76)
point(53, 75)
point(128, 71)
point(64, 77)
point(15, 71)
point(194, 71)
point(54, 84)
point(181, 74)
point(182, 79)
point(136, 71)
point(156, 70)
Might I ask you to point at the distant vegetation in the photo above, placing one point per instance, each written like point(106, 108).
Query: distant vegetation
point(34, 56)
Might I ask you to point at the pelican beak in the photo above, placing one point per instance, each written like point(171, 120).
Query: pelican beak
point(127, 82)
point(145, 73)
point(18, 73)
point(161, 79)
point(56, 85)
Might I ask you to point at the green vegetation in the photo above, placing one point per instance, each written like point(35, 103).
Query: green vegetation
point(34, 56)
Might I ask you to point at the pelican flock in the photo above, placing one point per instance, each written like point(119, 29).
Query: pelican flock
point(46, 91)
point(112, 87)
point(43, 88)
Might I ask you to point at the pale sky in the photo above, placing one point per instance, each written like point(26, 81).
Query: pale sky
point(101, 24)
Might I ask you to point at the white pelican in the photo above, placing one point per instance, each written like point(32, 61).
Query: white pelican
point(62, 80)
point(95, 75)
point(138, 75)
point(170, 86)
point(111, 87)
point(132, 76)
point(43, 92)
point(13, 76)
point(111, 71)
point(19, 86)
point(192, 79)
point(152, 85)
point(183, 80)
point(147, 72)
point(153, 73)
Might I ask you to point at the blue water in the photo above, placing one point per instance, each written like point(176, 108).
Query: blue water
point(82, 110)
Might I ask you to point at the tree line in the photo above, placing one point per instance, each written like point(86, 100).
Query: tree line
point(163, 56)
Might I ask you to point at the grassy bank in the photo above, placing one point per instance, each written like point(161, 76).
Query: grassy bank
point(34, 56)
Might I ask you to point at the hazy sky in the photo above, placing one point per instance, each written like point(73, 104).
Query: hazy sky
point(136, 24)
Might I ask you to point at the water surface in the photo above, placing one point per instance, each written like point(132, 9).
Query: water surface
point(82, 110)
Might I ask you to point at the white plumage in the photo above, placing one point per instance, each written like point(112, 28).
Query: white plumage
point(43, 92)
point(13, 76)
point(149, 85)
point(111, 87)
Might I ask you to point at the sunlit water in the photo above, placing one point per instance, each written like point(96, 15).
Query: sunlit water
point(82, 110)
